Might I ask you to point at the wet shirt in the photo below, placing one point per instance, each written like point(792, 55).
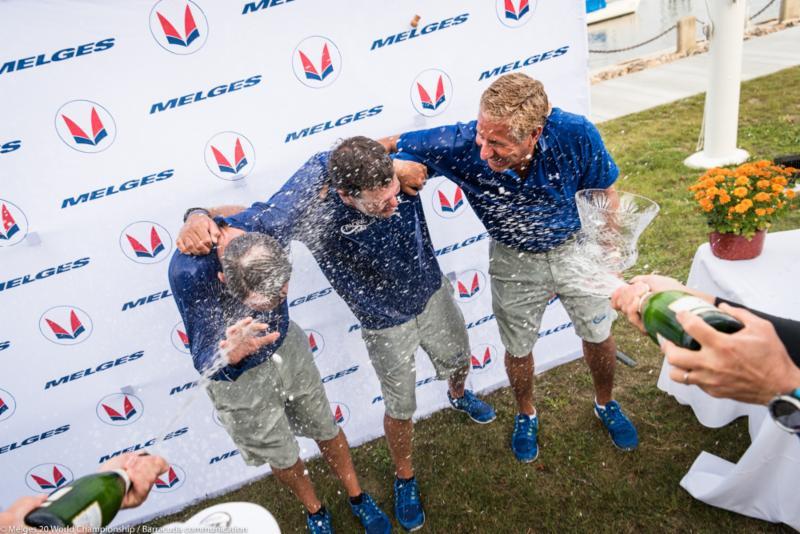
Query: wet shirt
point(207, 309)
point(384, 269)
point(535, 214)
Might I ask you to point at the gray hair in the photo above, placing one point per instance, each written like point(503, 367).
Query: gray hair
point(255, 263)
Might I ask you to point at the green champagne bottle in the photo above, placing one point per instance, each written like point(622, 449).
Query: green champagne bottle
point(91, 501)
point(659, 311)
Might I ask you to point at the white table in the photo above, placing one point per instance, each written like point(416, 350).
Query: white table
point(765, 482)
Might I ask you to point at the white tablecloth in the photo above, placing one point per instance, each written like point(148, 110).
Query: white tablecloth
point(765, 482)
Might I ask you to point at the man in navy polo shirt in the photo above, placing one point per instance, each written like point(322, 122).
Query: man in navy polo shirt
point(265, 387)
point(520, 165)
point(373, 245)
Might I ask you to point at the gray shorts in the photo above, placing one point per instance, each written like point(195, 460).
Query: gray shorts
point(439, 330)
point(271, 403)
point(523, 283)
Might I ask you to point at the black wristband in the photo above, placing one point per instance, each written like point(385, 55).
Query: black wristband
point(193, 210)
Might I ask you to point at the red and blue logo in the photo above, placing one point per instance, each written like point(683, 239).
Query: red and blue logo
point(341, 413)
point(230, 156)
point(316, 61)
point(515, 13)
point(85, 126)
point(482, 356)
point(178, 26)
point(431, 92)
point(145, 242)
point(469, 285)
point(448, 200)
point(66, 325)
point(8, 405)
point(120, 409)
point(316, 343)
point(45, 478)
point(180, 340)
point(13, 224)
point(173, 479)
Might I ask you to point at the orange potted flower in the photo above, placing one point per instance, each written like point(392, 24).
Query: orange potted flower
point(740, 205)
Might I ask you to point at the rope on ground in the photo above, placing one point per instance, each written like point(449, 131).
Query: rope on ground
point(760, 11)
point(662, 34)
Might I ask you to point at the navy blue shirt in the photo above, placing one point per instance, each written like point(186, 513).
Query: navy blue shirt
point(535, 214)
point(384, 269)
point(208, 309)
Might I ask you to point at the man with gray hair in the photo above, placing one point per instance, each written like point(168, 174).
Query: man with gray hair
point(519, 165)
point(263, 380)
point(373, 245)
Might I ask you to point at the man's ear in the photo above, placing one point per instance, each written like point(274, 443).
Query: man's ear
point(221, 277)
point(347, 199)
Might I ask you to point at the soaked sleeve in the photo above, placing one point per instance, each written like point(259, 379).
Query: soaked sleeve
point(599, 170)
point(281, 215)
point(443, 149)
point(201, 311)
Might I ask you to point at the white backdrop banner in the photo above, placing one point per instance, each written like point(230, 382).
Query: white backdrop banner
point(117, 116)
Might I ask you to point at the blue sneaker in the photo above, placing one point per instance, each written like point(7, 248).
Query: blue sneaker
point(372, 518)
point(623, 433)
point(523, 440)
point(320, 523)
point(477, 410)
point(407, 505)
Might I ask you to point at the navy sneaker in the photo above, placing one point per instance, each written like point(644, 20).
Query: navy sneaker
point(320, 523)
point(407, 504)
point(523, 440)
point(623, 433)
point(477, 410)
point(372, 518)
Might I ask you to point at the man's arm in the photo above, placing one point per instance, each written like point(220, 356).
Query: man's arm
point(199, 232)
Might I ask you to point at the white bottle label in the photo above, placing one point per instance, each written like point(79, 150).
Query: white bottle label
point(693, 305)
point(58, 494)
point(91, 517)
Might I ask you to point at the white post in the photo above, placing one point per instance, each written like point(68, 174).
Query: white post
point(722, 97)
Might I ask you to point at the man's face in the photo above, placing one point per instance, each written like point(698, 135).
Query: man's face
point(499, 149)
point(262, 303)
point(381, 202)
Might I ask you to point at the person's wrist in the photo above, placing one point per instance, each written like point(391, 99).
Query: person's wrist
point(195, 211)
point(789, 381)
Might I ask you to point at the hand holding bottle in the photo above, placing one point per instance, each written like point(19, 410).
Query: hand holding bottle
point(751, 365)
point(629, 298)
point(143, 470)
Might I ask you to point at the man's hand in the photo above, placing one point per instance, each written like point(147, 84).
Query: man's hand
point(143, 471)
point(412, 175)
point(627, 298)
point(13, 518)
point(751, 365)
point(197, 235)
point(243, 339)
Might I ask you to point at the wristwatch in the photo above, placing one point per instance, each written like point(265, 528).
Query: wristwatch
point(785, 411)
point(192, 211)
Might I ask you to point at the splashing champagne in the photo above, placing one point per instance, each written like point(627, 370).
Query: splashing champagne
point(611, 223)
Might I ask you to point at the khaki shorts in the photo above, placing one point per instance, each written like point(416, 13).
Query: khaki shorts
point(522, 284)
point(273, 402)
point(439, 330)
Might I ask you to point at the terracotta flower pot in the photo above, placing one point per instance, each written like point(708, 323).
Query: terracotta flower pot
point(736, 247)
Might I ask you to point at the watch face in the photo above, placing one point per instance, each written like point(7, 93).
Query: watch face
point(786, 412)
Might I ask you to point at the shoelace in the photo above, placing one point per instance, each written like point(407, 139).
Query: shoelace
point(408, 492)
point(529, 427)
point(367, 510)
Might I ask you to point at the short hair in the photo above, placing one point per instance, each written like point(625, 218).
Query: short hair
point(518, 100)
point(360, 164)
point(255, 263)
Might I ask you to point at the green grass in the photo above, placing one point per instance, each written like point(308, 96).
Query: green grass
point(469, 479)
